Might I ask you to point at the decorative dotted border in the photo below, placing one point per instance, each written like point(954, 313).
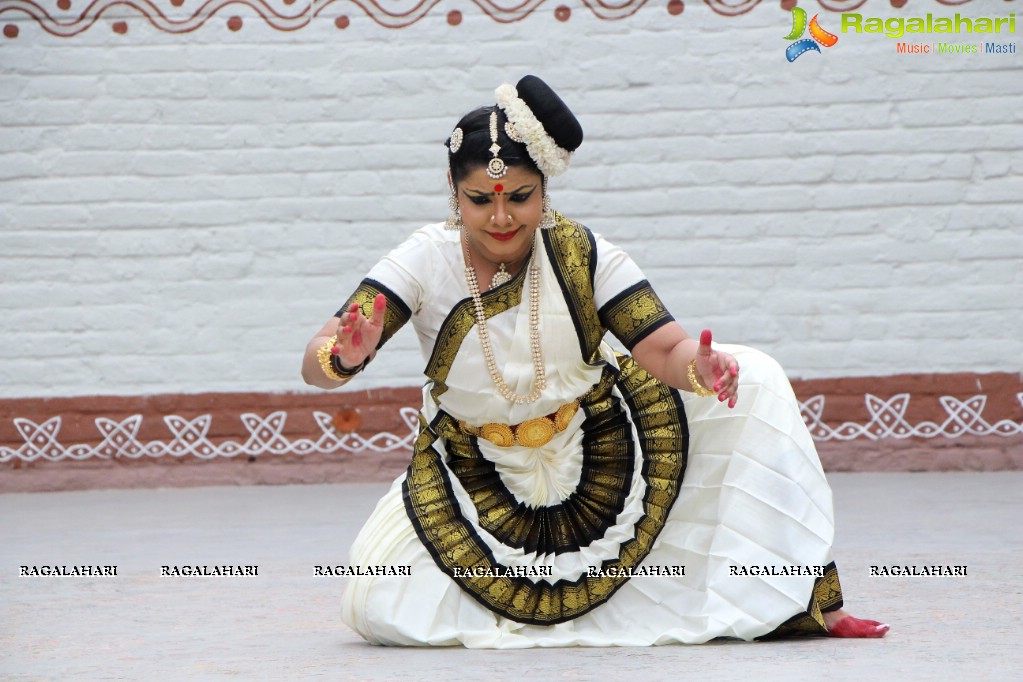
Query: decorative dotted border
point(292, 15)
point(266, 434)
point(887, 419)
point(191, 438)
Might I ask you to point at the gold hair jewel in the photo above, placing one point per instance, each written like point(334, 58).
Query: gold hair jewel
point(513, 133)
point(456, 140)
point(496, 168)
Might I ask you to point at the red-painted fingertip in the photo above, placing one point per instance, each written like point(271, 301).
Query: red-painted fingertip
point(721, 397)
point(705, 337)
point(346, 329)
point(380, 301)
point(735, 371)
point(334, 350)
point(353, 316)
point(731, 403)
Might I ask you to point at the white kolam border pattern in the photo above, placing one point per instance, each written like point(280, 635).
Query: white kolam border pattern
point(887, 419)
point(191, 438)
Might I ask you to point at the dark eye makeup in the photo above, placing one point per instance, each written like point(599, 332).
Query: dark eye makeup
point(481, 198)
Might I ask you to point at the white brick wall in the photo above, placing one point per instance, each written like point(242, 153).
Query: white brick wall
point(180, 212)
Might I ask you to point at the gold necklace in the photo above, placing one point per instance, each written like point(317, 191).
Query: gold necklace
point(535, 350)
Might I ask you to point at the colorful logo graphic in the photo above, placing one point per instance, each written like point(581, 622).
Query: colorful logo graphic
point(818, 35)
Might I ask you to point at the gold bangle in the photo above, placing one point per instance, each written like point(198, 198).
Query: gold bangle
point(323, 354)
point(698, 388)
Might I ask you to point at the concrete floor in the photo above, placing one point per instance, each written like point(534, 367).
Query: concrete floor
point(283, 624)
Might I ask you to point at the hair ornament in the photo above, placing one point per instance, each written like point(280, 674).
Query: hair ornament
point(545, 152)
point(497, 168)
point(456, 140)
point(512, 132)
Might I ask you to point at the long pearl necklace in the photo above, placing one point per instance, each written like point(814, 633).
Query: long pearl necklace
point(539, 373)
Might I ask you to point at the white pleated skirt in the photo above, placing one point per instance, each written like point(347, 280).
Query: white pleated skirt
point(751, 521)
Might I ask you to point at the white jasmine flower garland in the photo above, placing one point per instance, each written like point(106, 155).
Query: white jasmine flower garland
point(545, 152)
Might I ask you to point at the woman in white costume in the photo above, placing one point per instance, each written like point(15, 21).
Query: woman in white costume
point(560, 493)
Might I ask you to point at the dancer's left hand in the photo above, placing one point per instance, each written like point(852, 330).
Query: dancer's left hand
point(718, 370)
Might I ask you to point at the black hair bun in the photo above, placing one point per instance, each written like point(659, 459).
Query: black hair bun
point(555, 116)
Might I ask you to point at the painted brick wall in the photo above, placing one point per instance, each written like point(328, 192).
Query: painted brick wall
point(180, 211)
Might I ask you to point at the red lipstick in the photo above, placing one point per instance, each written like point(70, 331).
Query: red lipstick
point(503, 236)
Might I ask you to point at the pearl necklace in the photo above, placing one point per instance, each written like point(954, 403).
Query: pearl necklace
point(539, 373)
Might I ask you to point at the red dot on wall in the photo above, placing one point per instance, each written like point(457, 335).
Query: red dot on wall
point(177, 3)
point(454, 17)
point(64, 4)
point(10, 31)
point(342, 22)
point(120, 27)
point(787, 5)
point(562, 13)
point(289, 2)
point(235, 23)
point(675, 7)
point(898, 4)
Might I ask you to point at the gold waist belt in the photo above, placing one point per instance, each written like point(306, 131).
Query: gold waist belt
point(531, 433)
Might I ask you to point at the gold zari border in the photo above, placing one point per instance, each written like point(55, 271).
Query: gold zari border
point(571, 252)
point(581, 518)
point(826, 596)
point(635, 313)
point(459, 551)
point(458, 323)
point(395, 315)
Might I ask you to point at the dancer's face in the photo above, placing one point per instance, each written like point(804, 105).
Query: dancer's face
point(501, 216)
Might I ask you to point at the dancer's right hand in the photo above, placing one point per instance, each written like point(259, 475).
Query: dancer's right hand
point(357, 336)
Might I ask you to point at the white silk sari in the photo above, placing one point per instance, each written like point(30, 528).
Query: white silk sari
point(737, 546)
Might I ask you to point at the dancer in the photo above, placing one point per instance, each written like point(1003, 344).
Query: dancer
point(561, 493)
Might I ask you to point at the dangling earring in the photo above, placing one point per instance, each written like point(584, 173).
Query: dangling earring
point(548, 221)
point(454, 221)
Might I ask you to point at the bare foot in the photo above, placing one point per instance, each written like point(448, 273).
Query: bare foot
point(841, 624)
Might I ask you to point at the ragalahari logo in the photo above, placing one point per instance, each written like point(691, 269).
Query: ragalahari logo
point(818, 35)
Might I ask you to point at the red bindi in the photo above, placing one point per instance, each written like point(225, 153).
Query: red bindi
point(498, 187)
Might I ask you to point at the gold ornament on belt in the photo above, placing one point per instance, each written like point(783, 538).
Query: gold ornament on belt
point(498, 434)
point(535, 432)
point(532, 433)
point(563, 417)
